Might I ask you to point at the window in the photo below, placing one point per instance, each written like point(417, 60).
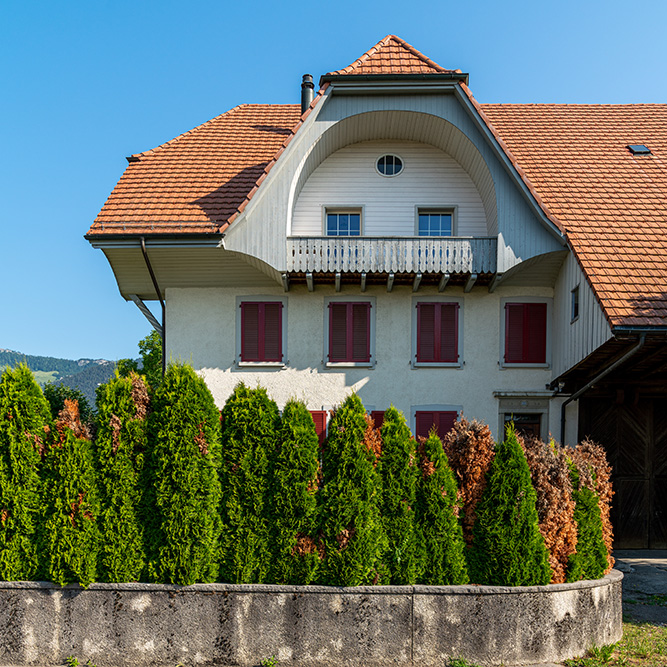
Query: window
point(261, 331)
point(389, 165)
point(435, 222)
point(378, 417)
point(320, 419)
point(442, 420)
point(343, 222)
point(349, 332)
point(526, 333)
point(575, 304)
point(437, 333)
point(527, 425)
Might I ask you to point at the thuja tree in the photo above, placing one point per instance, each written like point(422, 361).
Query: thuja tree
point(70, 534)
point(398, 472)
point(122, 409)
point(183, 487)
point(250, 423)
point(352, 530)
point(507, 547)
point(293, 518)
point(441, 537)
point(24, 425)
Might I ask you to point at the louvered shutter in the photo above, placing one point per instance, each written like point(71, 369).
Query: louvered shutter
point(360, 331)
point(535, 333)
point(424, 422)
point(514, 332)
point(320, 419)
point(449, 332)
point(250, 332)
point(444, 422)
point(273, 322)
point(378, 418)
point(426, 318)
point(337, 332)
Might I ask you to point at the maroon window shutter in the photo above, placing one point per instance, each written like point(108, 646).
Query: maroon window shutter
point(273, 325)
point(449, 332)
point(378, 417)
point(445, 422)
point(514, 313)
point(424, 422)
point(320, 419)
point(250, 332)
point(426, 332)
point(359, 330)
point(535, 333)
point(337, 332)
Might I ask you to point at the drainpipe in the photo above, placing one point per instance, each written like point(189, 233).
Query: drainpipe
point(596, 379)
point(159, 296)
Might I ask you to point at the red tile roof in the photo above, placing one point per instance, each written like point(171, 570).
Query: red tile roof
point(392, 55)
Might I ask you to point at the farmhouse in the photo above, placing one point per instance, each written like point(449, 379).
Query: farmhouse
point(392, 236)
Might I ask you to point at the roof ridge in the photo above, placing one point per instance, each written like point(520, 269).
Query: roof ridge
point(573, 105)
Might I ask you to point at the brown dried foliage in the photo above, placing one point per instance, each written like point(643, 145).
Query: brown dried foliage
point(69, 419)
point(4, 515)
point(595, 473)
point(116, 424)
point(425, 464)
point(140, 396)
point(200, 439)
point(343, 538)
point(75, 509)
point(307, 545)
point(372, 440)
point(470, 448)
point(37, 441)
point(555, 506)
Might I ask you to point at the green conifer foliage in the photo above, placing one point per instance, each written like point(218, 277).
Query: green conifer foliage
point(590, 559)
point(183, 527)
point(507, 547)
point(24, 425)
point(70, 534)
point(250, 425)
point(398, 471)
point(293, 509)
point(441, 535)
point(122, 409)
point(351, 523)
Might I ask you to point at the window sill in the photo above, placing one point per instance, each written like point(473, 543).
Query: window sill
point(261, 364)
point(350, 364)
point(438, 364)
point(520, 364)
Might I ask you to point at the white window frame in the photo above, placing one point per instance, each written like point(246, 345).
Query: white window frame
point(343, 208)
point(437, 364)
point(349, 364)
point(261, 298)
point(525, 299)
point(575, 291)
point(437, 208)
point(380, 174)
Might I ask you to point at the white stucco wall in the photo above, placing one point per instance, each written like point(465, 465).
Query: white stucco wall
point(201, 329)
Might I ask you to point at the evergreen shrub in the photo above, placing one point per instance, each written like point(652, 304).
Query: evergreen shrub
point(398, 472)
point(293, 525)
point(70, 535)
point(24, 426)
point(250, 425)
point(56, 394)
point(122, 409)
point(507, 547)
point(183, 488)
point(441, 537)
point(352, 530)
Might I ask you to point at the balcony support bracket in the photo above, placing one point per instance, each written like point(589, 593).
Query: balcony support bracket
point(363, 281)
point(390, 282)
point(443, 282)
point(309, 281)
point(416, 281)
point(285, 279)
point(337, 281)
point(497, 279)
point(471, 282)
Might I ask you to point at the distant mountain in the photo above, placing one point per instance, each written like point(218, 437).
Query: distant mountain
point(82, 374)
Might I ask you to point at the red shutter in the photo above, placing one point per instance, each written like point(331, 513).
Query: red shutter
point(361, 331)
point(449, 332)
point(535, 333)
point(424, 422)
point(320, 419)
point(250, 332)
point(514, 333)
point(426, 332)
point(378, 417)
point(273, 325)
point(337, 332)
point(443, 420)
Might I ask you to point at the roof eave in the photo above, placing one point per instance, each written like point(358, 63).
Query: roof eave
point(198, 240)
point(383, 78)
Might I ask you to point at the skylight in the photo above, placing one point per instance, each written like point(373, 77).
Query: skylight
point(639, 149)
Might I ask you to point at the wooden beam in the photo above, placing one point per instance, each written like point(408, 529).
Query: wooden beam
point(285, 279)
point(416, 281)
point(495, 282)
point(443, 282)
point(309, 281)
point(471, 281)
point(337, 281)
point(390, 282)
point(363, 281)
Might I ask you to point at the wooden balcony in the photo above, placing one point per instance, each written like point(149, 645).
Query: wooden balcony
point(395, 255)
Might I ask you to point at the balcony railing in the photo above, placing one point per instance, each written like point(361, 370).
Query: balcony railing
point(391, 255)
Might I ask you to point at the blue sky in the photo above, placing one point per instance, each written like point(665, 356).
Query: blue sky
point(83, 84)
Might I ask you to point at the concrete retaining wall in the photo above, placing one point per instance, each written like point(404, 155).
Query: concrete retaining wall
point(131, 625)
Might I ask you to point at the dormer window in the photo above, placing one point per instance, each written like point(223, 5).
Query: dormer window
point(389, 165)
point(343, 222)
point(435, 222)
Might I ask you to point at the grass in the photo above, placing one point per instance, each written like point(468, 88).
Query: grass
point(643, 645)
point(42, 377)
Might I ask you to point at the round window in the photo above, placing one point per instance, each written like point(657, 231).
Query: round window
point(389, 165)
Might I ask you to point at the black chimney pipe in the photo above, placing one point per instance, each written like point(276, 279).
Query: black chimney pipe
point(307, 92)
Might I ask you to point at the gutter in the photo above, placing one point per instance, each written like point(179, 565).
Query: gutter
point(159, 296)
point(597, 378)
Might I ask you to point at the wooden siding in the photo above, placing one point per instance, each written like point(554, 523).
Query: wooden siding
point(574, 341)
point(430, 178)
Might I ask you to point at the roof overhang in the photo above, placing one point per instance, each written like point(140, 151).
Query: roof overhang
point(382, 83)
point(174, 240)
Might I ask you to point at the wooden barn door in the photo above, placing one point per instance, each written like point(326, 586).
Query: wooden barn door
point(635, 437)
